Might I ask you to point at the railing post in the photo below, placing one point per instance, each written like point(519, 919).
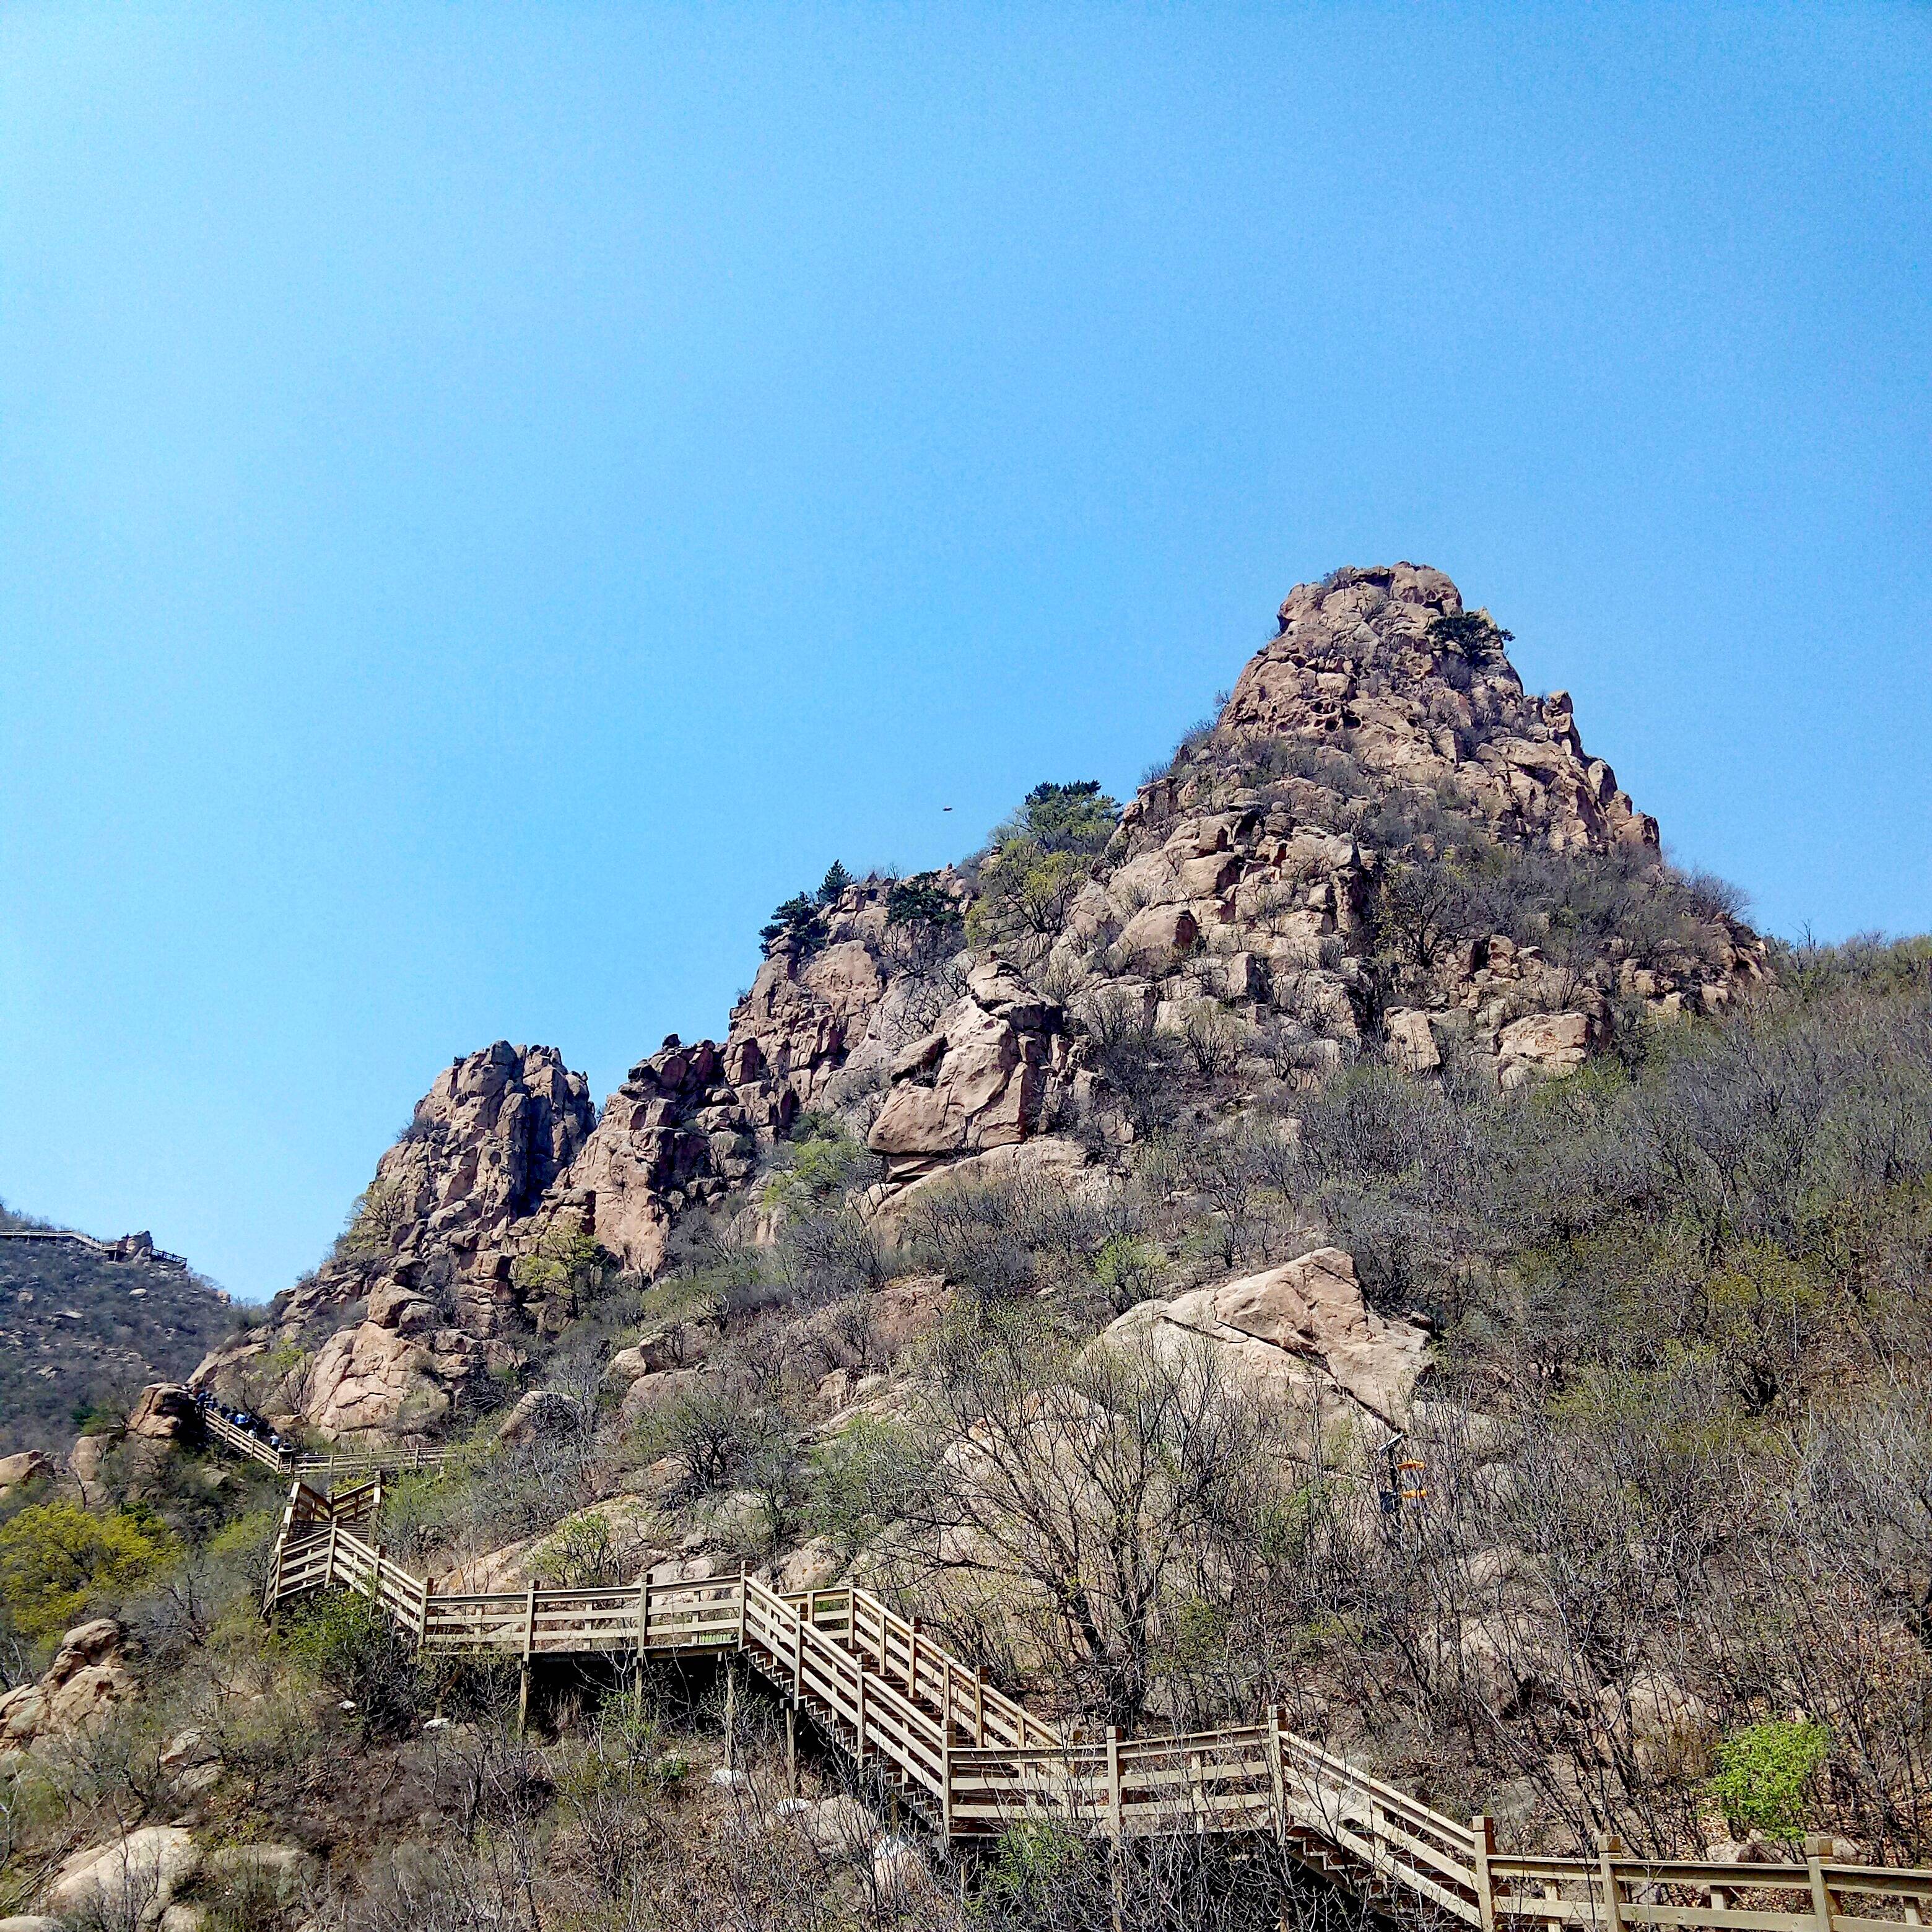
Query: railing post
point(1113, 1826)
point(744, 1594)
point(530, 1644)
point(912, 1658)
point(1612, 1917)
point(979, 1706)
point(1483, 1828)
point(328, 1574)
point(859, 1716)
point(644, 1614)
point(1821, 1893)
point(1277, 1783)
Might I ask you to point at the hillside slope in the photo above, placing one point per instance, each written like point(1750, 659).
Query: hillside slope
point(78, 1328)
point(1347, 1230)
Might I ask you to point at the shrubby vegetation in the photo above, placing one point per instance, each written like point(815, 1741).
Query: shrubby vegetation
point(1037, 861)
point(56, 1557)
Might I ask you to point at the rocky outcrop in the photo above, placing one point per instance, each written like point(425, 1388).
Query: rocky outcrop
point(166, 1412)
point(1295, 1330)
point(677, 1132)
point(88, 1676)
point(17, 1471)
point(384, 1384)
point(1355, 661)
point(825, 1017)
point(1254, 888)
point(430, 1250)
point(129, 1881)
point(980, 1080)
point(1266, 872)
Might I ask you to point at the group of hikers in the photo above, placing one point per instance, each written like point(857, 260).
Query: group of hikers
point(241, 1419)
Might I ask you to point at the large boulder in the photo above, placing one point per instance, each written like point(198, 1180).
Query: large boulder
point(1543, 1045)
point(166, 1412)
point(17, 1471)
point(88, 1676)
point(128, 1881)
point(978, 1081)
point(370, 1380)
point(1302, 1326)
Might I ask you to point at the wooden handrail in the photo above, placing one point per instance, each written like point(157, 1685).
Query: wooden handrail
point(224, 1434)
point(884, 1689)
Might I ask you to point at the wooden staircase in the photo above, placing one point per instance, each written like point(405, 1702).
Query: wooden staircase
point(971, 1761)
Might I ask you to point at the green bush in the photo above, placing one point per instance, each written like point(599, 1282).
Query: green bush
point(866, 1477)
point(349, 1643)
point(54, 1557)
point(1763, 1772)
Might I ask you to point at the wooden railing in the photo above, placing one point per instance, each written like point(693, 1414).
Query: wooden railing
point(975, 1761)
point(239, 1441)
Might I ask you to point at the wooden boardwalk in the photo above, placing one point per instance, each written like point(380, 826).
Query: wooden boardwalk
point(972, 1761)
point(225, 1435)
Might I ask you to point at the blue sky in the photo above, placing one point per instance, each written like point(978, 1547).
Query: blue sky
point(492, 499)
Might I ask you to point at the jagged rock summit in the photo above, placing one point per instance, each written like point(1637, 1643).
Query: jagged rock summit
point(1387, 661)
point(1376, 850)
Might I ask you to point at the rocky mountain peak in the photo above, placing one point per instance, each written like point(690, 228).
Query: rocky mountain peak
point(1384, 847)
point(1422, 692)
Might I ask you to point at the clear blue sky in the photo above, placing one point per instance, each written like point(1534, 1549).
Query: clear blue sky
point(492, 499)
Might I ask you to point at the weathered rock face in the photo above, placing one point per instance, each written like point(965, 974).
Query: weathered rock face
point(1301, 1328)
point(487, 1141)
point(1258, 874)
point(676, 1131)
point(16, 1472)
point(430, 1252)
point(980, 1080)
point(1251, 888)
point(383, 1385)
point(165, 1413)
point(687, 1124)
point(88, 1676)
point(128, 1881)
point(1354, 657)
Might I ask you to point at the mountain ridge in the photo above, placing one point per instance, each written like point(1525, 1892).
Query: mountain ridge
point(1384, 846)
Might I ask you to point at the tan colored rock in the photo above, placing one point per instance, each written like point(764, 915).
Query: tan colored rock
point(1302, 1325)
point(127, 1881)
point(651, 1392)
point(1549, 1045)
point(835, 1827)
point(166, 1412)
point(1160, 934)
point(87, 1458)
point(813, 1566)
point(88, 1676)
point(282, 1869)
point(1411, 1041)
point(981, 1087)
point(371, 1380)
point(1670, 1730)
point(1207, 878)
point(28, 1466)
